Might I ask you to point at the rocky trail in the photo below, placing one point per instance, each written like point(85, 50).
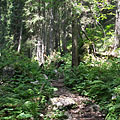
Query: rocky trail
point(73, 106)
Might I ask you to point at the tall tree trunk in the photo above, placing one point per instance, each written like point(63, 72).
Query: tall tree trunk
point(51, 40)
point(40, 50)
point(20, 39)
point(55, 25)
point(3, 22)
point(57, 31)
point(64, 25)
point(44, 27)
point(74, 42)
point(17, 11)
point(0, 24)
point(117, 26)
point(40, 44)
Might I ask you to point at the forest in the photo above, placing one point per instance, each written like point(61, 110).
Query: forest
point(59, 59)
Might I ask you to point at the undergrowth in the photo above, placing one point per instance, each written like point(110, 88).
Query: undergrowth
point(24, 91)
point(100, 81)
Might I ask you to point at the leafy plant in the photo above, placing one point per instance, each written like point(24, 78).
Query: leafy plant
point(26, 92)
point(100, 82)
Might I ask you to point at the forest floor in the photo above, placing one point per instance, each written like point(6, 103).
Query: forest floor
point(73, 106)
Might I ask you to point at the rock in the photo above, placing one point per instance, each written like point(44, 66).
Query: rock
point(75, 111)
point(78, 107)
point(95, 108)
point(68, 115)
point(55, 71)
point(8, 71)
point(62, 101)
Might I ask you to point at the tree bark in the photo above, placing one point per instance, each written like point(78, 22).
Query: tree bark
point(56, 25)
point(40, 50)
point(51, 40)
point(20, 39)
point(64, 25)
point(74, 42)
point(117, 26)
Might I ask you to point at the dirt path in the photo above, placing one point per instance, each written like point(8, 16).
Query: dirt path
point(75, 107)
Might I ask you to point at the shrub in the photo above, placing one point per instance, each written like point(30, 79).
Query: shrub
point(25, 94)
point(100, 82)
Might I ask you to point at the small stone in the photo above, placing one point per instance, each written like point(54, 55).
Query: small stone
point(54, 100)
point(55, 108)
point(55, 71)
point(75, 110)
point(75, 119)
point(59, 104)
point(41, 115)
